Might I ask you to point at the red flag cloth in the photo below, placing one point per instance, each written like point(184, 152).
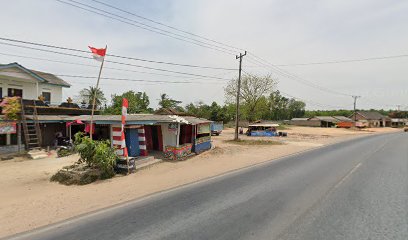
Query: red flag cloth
point(77, 121)
point(98, 51)
point(88, 128)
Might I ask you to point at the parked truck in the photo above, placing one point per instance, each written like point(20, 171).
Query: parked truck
point(216, 128)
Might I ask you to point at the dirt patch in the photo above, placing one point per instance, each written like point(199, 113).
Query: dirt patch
point(254, 142)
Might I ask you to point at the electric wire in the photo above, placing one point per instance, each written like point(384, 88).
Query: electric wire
point(115, 62)
point(113, 55)
point(168, 26)
point(145, 28)
point(105, 67)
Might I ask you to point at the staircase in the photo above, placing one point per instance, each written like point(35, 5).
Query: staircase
point(32, 131)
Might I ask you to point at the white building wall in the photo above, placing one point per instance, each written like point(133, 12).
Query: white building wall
point(169, 137)
point(56, 92)
point(31, 87)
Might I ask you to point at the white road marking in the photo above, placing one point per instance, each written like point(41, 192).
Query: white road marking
point(347, 175)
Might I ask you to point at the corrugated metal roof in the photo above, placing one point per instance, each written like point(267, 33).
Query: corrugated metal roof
point(145, 118)
point(59, 118)
point(326, 119)
point(300, 119)
point(371, 115)
point(343, 119)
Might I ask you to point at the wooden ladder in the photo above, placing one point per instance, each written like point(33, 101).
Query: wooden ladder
point(32, 131)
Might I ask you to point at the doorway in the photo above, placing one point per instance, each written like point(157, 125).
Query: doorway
point(154, 138)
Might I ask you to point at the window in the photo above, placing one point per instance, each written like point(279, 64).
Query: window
point(47, 96)
point(14, 92)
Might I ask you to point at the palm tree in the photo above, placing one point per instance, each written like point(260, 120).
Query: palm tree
point(87, 95)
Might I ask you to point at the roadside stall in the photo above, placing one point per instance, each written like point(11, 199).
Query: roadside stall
point(263, 130)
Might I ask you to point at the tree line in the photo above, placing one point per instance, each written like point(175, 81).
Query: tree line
point(260, 100)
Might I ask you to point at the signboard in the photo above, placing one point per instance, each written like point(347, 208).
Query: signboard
point(8, 127)
point(203, 128)
point(173, 127)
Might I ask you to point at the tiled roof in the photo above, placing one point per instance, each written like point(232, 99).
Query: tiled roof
point(40, 76)
point(51, 78)
point(371, 115)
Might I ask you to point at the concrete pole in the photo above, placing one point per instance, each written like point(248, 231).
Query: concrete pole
point(238, 94)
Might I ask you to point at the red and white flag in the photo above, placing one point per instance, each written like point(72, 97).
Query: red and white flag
point(98, 53)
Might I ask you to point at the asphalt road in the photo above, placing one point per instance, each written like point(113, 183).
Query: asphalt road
point(351, 190)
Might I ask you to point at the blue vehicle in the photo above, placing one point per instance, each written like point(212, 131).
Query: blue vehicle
point(216, 128)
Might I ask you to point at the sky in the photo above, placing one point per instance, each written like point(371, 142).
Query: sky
point(281, 32)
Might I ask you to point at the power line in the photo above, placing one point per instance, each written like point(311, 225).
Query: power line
point(344, 61)
point(115, 62)
point(120, 19)
point(310, 102)
point(94, 66)
point(132, 80)
point(112, 55)
point(284, 73)
point(307, 101)
point(146, 25)
point(168, 26)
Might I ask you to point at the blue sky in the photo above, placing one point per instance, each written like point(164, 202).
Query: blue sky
point(282, 32)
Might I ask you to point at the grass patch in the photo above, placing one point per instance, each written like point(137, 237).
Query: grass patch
point(283, 127)
point(254, 142)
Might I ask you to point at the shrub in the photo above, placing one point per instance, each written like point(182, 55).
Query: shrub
point(11, 107)
point(62, 152)
point(97, 154)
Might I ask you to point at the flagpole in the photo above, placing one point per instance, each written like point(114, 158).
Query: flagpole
point(94, 96)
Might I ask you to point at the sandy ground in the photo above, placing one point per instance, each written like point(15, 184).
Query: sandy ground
point(29, 200)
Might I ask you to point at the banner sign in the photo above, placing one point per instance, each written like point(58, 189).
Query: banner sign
point(8, 127)
point(203, 128)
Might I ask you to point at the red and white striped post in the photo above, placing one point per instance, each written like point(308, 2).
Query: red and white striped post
point(142, 141)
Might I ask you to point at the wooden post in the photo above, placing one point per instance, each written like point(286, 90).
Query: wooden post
point(19, 136)
point(94, 97)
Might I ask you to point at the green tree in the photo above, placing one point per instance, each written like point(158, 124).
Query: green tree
point(296, 108)
point(87, 95)
point(213, 112)
point(166, 102)
point(138, 103)
point(252, 89)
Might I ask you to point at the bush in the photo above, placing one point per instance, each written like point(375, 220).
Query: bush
point(62, 152)
point(97, 154)
point(11, 107)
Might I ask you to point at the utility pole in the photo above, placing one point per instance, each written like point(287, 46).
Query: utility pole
point(355, 102)
point(238, 93)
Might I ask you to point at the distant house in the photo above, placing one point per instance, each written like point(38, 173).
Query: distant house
point(344, 122)
point(17, 80)
point(399, 122)
point(325, 121)
point(372, 119)
point(306, 122)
